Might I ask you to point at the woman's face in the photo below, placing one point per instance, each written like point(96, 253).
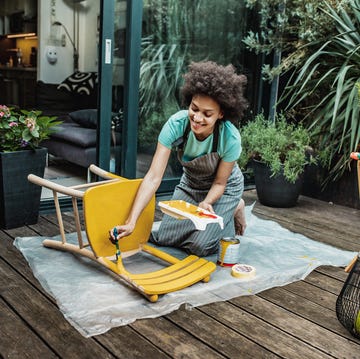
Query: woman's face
point(203, 114)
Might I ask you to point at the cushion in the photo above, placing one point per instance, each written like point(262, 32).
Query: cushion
point(48, 97)
point(55, 102)
point(85, 118)
point(80, 82)
point(81, 137)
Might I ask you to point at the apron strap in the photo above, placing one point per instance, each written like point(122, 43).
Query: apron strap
point(216, 137)
point(181, 141)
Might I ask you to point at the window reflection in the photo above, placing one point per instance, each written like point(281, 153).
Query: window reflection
point(174, 34)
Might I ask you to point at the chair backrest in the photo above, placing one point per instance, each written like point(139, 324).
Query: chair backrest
point(108, 205)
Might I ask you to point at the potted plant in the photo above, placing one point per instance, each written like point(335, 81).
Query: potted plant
point(278, 152)
point(318, 70)
point(21, 134)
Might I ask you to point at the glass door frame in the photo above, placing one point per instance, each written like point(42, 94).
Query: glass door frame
point(128, 153)
point(131, 88)
point(128, 156)
point(106, 46)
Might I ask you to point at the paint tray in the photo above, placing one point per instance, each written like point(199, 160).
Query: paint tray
point(183, 210)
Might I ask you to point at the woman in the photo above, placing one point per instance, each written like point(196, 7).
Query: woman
point(208, 147)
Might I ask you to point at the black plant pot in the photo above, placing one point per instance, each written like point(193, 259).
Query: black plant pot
point(19, 198)
point(275, 191)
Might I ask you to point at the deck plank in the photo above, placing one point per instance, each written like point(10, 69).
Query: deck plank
point(325, 282)
point(44, 318)
point(227, 340)
point(327, 223)
point(174, 340)
point(17, 339)
point(125, 342)
point(294, 321)
point(309, 333)
point(256, 327)
point(306, 308)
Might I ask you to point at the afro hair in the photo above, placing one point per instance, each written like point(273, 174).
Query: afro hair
point(221, 83)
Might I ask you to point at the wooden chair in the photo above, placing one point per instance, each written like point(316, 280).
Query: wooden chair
point(105, 204)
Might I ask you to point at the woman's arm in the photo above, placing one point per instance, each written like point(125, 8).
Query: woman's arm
point(147, 189)
point(218, 187)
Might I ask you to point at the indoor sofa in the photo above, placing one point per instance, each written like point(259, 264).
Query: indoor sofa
point(75, 105)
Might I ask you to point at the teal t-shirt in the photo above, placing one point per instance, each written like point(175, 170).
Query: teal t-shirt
point(229, 143)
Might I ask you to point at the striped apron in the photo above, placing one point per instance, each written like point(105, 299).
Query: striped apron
point(194, 185)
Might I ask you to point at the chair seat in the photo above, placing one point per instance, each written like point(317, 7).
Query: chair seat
point(175, 277)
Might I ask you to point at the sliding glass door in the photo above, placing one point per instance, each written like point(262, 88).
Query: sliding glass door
point(175, 33)
point(119, 84)
point(152, 44)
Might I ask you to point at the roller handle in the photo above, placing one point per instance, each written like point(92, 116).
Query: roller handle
point(351, 264)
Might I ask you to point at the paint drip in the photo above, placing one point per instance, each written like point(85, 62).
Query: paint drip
point(229, 251)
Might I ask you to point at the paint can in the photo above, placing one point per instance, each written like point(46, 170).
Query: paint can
point(229, 251)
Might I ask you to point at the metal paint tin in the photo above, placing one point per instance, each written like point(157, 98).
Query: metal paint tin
point(229, 251)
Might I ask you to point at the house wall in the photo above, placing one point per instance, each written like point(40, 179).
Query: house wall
point(81, 22)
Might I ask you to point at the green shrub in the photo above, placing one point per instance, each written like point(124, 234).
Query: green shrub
point(278, 144)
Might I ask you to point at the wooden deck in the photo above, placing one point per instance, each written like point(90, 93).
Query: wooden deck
point(295, 321)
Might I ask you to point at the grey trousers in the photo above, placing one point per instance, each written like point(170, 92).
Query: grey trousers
point(182, 233)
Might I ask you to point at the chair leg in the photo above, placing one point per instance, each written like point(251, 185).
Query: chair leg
point(89, 176)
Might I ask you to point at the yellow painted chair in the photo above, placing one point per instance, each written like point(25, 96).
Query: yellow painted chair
point(107, 203)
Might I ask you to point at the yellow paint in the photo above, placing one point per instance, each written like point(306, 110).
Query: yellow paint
point(224, 244)
point(186, 207)
point(307, 257)
point(180, 209)
point(108, 205)
point(357, 323)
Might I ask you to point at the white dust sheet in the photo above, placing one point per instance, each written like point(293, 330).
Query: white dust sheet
point(93, 301)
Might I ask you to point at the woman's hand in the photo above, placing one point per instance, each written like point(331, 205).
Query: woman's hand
point(207, 206)
point(122, 231)
point(218, 186)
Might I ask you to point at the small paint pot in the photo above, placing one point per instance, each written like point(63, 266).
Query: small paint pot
point(229, 251)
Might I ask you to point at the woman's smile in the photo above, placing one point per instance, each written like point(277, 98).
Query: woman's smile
point(196, 122)
point(195, 126)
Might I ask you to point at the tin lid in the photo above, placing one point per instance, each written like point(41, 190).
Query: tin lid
point(231, 240)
